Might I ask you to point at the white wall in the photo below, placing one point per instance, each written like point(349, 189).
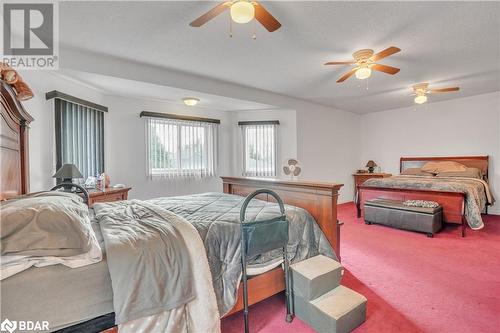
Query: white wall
point(41, 133)
point(464, 126)
point(287, 135)
point(328, 146)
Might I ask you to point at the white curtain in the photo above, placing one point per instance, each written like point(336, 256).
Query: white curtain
point(259, 150)
point(181, 148)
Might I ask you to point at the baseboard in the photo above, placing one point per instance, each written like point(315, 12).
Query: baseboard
point(345, 203)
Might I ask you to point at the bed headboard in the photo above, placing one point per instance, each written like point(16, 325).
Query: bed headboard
point(480, 162)
point(14, 174)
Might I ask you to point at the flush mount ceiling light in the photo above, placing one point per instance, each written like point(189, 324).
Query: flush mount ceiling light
point(365, 61)
point(190, 101)
point(421, 90)
point(241, 11)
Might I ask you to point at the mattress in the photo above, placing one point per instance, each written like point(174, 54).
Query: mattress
point(58, 294)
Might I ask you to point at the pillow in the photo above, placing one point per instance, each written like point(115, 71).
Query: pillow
point(416, 172)
point(46, 224)
point(445, 166)
point(469, 173)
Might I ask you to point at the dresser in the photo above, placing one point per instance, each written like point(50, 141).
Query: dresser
point(360, 178)
point(108, 195)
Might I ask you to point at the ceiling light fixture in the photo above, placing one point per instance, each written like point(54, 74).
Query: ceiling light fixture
point(363, 73)
point(242, 11)
point(421, 98)
point(190, 101)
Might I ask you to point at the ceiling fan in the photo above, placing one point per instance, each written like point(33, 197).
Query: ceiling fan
point(241, 11)
point(365, 61)
point(422, 89)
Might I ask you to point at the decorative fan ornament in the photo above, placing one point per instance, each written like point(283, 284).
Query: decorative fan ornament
point(421, 90)
point(292, 168)
point(365, 61)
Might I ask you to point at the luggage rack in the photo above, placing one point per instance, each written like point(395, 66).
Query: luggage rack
point(258, 237)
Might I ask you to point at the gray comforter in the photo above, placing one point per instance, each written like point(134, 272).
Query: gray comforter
point(147, 258)
point(216, 217)
point(477, 192)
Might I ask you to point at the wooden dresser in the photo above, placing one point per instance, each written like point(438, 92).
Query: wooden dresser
point(108, 195)
point(360, 178)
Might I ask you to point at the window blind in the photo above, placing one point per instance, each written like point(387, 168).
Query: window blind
point(79, 137)
point(180, 148)
point(259, 148)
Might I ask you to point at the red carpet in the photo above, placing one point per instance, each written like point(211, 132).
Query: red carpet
point(413, 283)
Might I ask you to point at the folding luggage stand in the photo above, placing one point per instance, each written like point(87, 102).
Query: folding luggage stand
point(259, 237)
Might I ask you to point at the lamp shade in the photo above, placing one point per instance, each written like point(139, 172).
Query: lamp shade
point(371, 164)
point(68, 171)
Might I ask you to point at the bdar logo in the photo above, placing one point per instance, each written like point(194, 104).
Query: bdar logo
point(8, 326)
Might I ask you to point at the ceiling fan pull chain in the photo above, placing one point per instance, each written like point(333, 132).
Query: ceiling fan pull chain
point(230, 26)
point(254, 36)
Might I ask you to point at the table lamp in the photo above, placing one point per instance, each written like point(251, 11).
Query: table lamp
point(371, 166)
point(67, 173)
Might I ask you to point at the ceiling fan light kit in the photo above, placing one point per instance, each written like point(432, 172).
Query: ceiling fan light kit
point(242, 11)
point(363, 73)
point(421, 90)
point(420, 99)
point(365, 62)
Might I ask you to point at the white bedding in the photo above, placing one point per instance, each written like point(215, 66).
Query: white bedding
point(12, 264)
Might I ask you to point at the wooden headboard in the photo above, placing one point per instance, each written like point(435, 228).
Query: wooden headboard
point(480, 162)
point(14, 175)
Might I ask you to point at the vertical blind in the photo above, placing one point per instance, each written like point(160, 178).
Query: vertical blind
point(181, 148)
point(259, 150)
point(79, 137)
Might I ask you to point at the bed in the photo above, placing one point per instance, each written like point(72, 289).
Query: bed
point(453, 198)
point(65, 291)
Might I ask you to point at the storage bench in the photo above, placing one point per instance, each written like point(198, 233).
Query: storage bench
point(395, 214)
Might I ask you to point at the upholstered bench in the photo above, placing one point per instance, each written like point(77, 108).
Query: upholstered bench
point(395, 214)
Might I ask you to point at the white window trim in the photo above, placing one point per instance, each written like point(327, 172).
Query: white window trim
point(211, 141)
point(274, 168)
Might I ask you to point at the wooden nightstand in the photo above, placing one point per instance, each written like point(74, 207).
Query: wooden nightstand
point(360, 178)
point(108, 195)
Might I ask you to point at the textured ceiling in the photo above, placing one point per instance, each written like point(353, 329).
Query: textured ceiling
point(143, 90)
point(444, 43)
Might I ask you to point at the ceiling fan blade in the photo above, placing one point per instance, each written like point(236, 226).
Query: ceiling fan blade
point(346, 75)
point(385, 53)
point(385, 69)
point(265, 18)
point(209, 15)
point(442, 90)
point(340, 62)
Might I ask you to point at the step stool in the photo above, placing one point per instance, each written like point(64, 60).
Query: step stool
point(320, 300)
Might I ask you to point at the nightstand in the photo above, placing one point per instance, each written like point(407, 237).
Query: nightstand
point(108, 195)
point(360, 178)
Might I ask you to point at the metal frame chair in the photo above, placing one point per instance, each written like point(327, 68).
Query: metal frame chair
point(259, 237)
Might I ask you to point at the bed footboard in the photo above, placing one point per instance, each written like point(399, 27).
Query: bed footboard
point(318, 198)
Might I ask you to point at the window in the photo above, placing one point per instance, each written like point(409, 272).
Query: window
point(79, 136)
point(181, 148)
point(259, 148)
